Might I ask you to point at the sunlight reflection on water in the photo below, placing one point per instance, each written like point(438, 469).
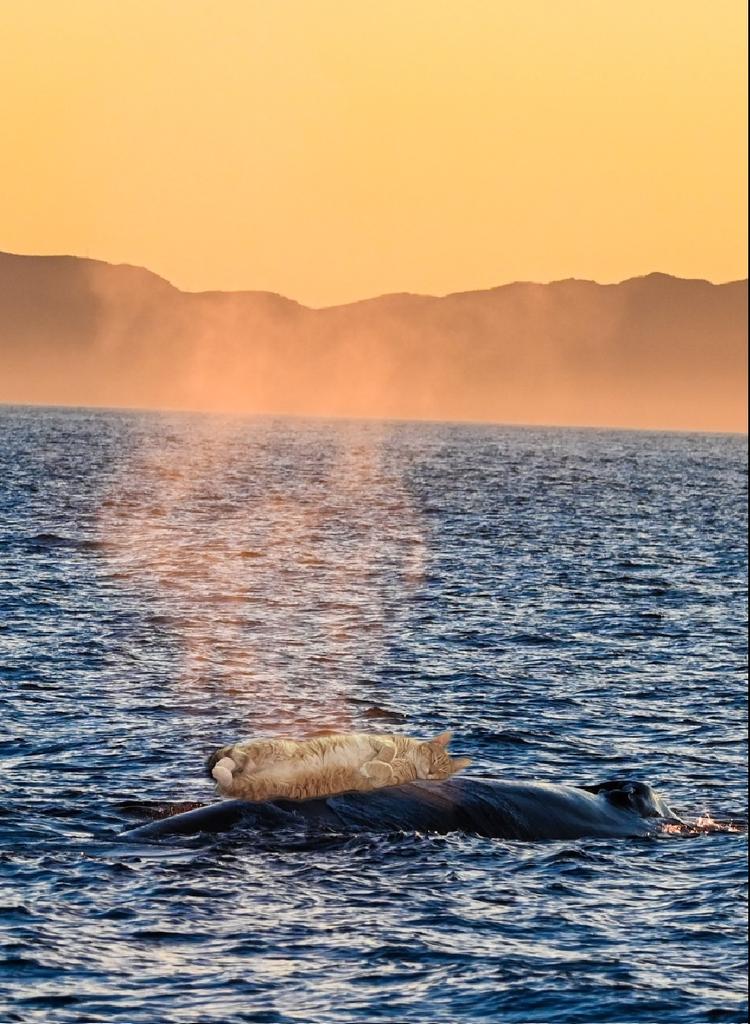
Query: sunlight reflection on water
point(571, 603)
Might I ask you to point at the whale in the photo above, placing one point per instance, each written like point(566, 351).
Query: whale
point(493, 808)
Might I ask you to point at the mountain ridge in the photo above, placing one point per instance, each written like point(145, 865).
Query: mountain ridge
point(656, 274)
point(654, 350)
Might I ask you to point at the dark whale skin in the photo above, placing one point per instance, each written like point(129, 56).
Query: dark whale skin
point(505, 810)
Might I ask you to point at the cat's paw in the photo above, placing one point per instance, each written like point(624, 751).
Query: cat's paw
point(387, 752)
point(222, 772)
point(378, 772)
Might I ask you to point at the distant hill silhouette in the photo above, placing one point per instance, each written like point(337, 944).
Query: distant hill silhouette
point(654, 351)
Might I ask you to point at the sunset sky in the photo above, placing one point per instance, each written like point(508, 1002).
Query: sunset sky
point(336, 149)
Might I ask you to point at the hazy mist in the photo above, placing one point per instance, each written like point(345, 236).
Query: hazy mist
point(653, 352)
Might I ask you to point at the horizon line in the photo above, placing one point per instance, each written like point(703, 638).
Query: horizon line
point(382, 295)
point(319, 418)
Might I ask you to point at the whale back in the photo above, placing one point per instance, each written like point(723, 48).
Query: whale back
point(507, 810)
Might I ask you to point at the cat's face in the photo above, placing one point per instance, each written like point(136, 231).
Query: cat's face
point(434, 761)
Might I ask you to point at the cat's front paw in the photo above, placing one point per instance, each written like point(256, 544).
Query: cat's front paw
point(378, 772)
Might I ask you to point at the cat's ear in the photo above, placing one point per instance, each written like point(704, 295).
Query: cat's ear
point(443, 739)
point(457, 763)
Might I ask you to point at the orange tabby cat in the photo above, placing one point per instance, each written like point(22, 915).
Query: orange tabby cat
point(325, 765)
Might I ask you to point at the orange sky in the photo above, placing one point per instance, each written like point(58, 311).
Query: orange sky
point(335, 149)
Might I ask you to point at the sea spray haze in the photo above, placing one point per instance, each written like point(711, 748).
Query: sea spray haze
point(654, 351)
point(572, 603)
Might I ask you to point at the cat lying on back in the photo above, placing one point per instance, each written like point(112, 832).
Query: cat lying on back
point(324, 765)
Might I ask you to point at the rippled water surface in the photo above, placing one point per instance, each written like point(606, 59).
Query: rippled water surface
point(571, 603)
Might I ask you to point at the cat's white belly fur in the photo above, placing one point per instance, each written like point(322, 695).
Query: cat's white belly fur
point(357, 751)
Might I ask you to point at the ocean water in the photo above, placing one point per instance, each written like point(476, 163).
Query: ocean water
point(571, 603)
